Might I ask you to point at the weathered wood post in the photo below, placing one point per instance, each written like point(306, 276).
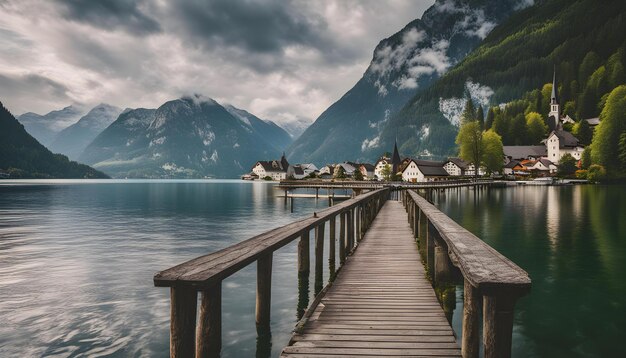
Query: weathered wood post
point(303, 253)
point(357, 214)
point(342, 238)
point(209, 335)
point(183, 321)
point(319, 257)
point(331, 247)
point(350, 230)
point(471, 312)
point(264, 289)
point(498, 312)
point(430, 247)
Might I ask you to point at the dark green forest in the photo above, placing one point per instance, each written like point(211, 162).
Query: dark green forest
point(22, 156)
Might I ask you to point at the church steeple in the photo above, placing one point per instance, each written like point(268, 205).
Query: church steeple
point(555, 107)
point(395, 158)
point(283, 162)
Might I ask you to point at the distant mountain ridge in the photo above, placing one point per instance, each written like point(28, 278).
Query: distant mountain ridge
point(402, 64)
point(45, 127)
point(72, 140)
point(190, 137)
point(22, 156)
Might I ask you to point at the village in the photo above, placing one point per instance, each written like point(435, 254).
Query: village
point(520, 162)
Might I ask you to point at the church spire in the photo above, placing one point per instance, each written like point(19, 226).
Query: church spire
point(554, 98)
point(395, 158)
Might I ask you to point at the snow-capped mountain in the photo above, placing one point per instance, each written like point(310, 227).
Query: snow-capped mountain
point(74, 139)
point(407, 62)
point(45, 127)
point(193, 136)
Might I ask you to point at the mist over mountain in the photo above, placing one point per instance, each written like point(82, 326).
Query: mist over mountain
point(190, 137)
point(45, 127)
point(403, 64)
point(72, 140)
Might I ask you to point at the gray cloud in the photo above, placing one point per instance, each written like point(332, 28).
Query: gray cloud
point(281, 60)
point(22, 89)
point(110, 15)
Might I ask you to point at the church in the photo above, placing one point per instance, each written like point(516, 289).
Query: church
point(560, 142)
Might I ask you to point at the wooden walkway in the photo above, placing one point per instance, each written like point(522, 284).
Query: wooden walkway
point(381, 303)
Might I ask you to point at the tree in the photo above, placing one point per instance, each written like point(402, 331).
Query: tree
point(567, 165)
point(518, 130)
point(470, 142)
point(583, 132)
point(493, 154)
point(585, 158)
point(358, 175)
point(537, 129)
point(615, 68)
point(469, 113)
point(386, 172)
point(589, 64)
point(490, 118)
point(605, 143)
point(480, 116)
point(340, 173)
point(621, 151)
point(596, 173)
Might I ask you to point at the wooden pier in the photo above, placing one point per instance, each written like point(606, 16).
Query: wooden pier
point(381, 303)
point(390, 241)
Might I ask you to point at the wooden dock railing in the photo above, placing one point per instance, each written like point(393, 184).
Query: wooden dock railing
point(206, 273)
point(452, 253)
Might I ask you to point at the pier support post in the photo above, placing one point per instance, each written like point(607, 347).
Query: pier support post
point(331, 246)
point(209, 336)
point(303, 253)
point(471, 312)
point(443, 265)
point(342, 238)
point(319, 257)
point(350, 230)
point(498, 325)
point(430, 248)
point(357, 211)
point(183, 321)
point(263, 290)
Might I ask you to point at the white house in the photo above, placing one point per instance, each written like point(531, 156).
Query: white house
point(471, 170)
point(275, 169)
point(367, 170)
point(308, 168)
point(423, 171)
point(295, 171)
point(562, 142)
point(544, 165)
point(455, 166)
point(380, 165)
point(348, 168)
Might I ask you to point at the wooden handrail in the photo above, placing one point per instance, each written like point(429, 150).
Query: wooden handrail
point(206, 273)
point(487, 275)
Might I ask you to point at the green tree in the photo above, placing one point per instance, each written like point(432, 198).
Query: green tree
point(583, 132)
point(585, 158)
point(621, 151)
point(546, 94)
point(490, 118)
point(605, 143)
point(567, 166)
point(596, 173)
point(616, 75)
point(537, 129)
point(480, 116)
point(358, 176)
point(518, 131)
point(589, 64)
point(469, 113)
point(470, 142)
point(340, 173)
point(493, 154)
point(386, 172)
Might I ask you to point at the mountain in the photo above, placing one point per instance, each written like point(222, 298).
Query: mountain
point(74, 139)
point(45, 128)
point(520, 56)
point(23, 157)
point(189, 137)
point(402, 64)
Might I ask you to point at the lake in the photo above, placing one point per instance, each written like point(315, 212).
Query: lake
point(572, 242)
point(77, 260)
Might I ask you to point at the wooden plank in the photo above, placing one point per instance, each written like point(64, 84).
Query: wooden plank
point(381, 303)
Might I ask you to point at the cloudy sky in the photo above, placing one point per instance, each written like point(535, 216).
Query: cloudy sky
point(280, 59)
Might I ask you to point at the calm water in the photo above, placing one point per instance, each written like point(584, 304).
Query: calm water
point(572, 242)
point(77, 260)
